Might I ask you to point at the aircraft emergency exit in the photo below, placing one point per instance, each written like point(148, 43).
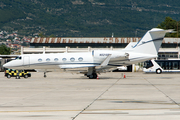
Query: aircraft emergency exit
point(96, 61)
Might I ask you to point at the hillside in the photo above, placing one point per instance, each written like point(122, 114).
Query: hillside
point(85, 18)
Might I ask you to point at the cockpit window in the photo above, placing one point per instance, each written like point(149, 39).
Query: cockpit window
point(18, 58)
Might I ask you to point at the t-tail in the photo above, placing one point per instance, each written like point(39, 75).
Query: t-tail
point(150, 42)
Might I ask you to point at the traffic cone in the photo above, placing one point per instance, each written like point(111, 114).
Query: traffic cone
point(97, 77)
point(124, 75)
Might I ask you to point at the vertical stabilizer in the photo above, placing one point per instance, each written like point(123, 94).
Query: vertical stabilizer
point(151, 41)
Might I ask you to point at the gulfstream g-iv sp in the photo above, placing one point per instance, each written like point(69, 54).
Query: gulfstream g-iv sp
point(96, 61)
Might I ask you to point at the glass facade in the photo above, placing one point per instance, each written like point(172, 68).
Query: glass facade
point(166, 55)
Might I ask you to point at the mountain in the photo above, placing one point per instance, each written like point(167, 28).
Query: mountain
point(85, 18)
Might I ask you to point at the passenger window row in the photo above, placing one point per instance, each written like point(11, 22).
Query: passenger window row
point(63, 59)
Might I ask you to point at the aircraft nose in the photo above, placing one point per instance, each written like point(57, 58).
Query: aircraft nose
point(6, 65)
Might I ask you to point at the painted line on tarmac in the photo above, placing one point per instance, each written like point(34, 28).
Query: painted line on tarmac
point(39, 111)
point(30, 111)
point(163, 93)
point(95, 100)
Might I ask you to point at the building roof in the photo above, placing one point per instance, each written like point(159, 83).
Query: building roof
point(84, 40)
point(96, 40)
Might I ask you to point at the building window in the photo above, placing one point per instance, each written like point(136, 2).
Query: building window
point(72, 59)
point(47, 59)
point(56, 59)
point(80, 59)
point(40, 60)
point(64, 59)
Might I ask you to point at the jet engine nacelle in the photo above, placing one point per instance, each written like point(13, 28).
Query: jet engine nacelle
point(115, 55)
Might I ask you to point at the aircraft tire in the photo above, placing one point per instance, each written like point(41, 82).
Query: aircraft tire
point(158, 71)
point(93, 76)
point(90, 76)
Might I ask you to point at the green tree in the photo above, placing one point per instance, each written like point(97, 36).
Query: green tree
point(169, 23)
point(41, 34)
point(4, 50)
point(52, 35)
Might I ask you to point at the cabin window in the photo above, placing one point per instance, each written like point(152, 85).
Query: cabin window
point(72, 59)
point(56, 59)
point(64, 59)
point(47, 59)
point(40, 60)
point(80, 59)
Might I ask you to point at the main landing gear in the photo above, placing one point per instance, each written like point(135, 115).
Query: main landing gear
point(92, 76)
point(91, 73)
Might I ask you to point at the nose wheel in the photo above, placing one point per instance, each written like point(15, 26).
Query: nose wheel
point(45, 75)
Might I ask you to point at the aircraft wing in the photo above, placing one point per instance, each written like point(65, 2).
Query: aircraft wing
point(106, 61)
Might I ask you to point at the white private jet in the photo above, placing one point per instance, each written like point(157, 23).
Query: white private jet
point(97, 61)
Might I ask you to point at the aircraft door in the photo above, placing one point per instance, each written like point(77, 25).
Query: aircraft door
point(26, 61)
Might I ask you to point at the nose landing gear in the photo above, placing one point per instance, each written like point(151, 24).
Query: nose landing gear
point(45, 75)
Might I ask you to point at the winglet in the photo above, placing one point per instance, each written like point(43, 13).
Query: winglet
point(106, 61)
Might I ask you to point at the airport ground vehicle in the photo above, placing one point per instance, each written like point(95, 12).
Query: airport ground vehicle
point(160, 66)
point(16, 73)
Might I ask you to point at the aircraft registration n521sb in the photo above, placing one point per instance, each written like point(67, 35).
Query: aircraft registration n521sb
point(96, 61)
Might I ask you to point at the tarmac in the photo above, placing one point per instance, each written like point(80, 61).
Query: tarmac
point(66, 96)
